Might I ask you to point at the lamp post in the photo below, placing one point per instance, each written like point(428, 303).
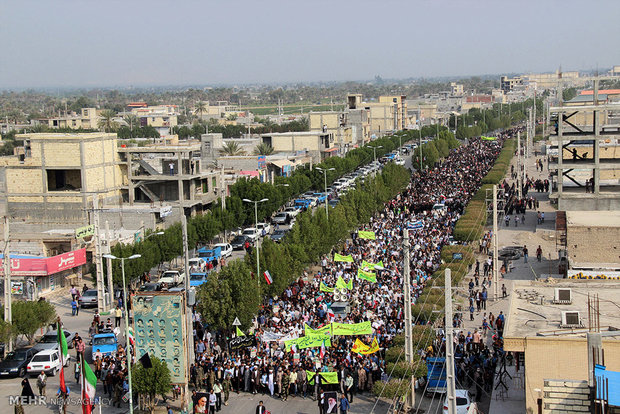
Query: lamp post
point(122, 259)
point(324, 171)
point(159, 233)
point(258, 239)
point(374, 149)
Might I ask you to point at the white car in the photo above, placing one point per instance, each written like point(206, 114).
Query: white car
point(263, 226)
point(48, 361)
point(463, 402)
point(171, 277)
point(251, 233)
point(291, 211)
point(226, 249)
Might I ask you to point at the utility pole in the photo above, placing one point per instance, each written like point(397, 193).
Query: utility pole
point(495, 241)
point(109, 264)
point(450, 376)
point(98, 259)
point(8, 315)
point(408, 319)
point(188, 311)
point(519, 164)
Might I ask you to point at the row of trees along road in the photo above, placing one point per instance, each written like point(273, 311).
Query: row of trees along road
point(203, 228)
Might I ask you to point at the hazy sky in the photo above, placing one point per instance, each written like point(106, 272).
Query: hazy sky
point(134, 42)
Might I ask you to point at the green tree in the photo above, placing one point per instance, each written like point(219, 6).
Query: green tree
point(29, 317)
point(215, 302)
point(151, 382)
point(231, 148)
point(106, 121)
point(132, 122)
point(263, 149)
point(201, 107)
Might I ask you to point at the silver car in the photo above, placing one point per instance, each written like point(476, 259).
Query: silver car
point(89, 299)
point(50, 341)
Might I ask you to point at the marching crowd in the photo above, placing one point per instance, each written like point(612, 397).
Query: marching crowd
point(266, 367)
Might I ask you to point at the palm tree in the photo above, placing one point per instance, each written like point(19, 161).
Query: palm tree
point(106, 120)
point(231, 148)
point(263, 149)
point(201, 107)
point(132, 121)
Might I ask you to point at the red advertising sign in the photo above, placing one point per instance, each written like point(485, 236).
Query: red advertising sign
point(65, 261)
point(43, 266)
point(26, 266)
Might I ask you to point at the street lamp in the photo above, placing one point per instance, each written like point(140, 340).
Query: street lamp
point(159, 233)
point(324, 171)
point(374, 148)
point(258, 239)
point(122, 259)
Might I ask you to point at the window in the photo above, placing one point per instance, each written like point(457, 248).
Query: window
point(64, 180)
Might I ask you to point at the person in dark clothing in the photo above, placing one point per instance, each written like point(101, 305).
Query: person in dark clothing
point(260, 408)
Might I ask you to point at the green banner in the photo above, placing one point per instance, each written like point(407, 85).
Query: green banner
point(350, 284)
point(362, 328)
point(327, 377)
point(369, 276)
point(340, 283)
point(85, 231)
point(311, 341)
point(488, 138)
point(325, 288)
point(371, 266)
point(370, 235)
point(323, 330)
point(341, 258)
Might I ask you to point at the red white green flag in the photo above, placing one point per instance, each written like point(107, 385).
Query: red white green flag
point(64, 351)
point(89, 385)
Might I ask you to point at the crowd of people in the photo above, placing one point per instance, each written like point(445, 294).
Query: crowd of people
point(266, 367)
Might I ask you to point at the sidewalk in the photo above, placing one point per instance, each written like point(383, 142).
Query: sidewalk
point(530, 234)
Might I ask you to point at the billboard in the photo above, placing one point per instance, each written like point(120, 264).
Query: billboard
point(159, 329)
point(65, 261)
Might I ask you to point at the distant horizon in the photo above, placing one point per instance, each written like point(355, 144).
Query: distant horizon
point(118, 44)
point(434, 79)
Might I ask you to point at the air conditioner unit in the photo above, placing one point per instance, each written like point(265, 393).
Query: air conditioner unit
point(563, 296)
point(571, 319)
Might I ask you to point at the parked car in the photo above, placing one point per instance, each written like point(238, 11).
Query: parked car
point(15, 363)
point(463, 401)
point(291, 211)
point(171, 277)
point(263, 227)
point(47, 361)
point(278, 235)
point(149, 287)
point(251, 233)
point(90, 298)
point(195, 262)
point(238, 242)
point(209, 255)
point(197, 279)
point(226, 249)
point(333, 202)
point(281, 218)
point(50, 341)
point(104, 344)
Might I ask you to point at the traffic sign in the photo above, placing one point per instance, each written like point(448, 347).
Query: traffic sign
point(236, 322)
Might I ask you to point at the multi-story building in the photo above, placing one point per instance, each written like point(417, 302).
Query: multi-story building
point(316, 144)
point(88, 118)
point(456, 89)
point(508, 84)
point(161, 117)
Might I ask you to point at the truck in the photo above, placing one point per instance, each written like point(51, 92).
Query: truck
point(302, 203)
point(104, 344)
point(209, 255)
point(436, 376)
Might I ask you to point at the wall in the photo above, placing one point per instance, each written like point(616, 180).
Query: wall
point(560, 358)
point(593, 244)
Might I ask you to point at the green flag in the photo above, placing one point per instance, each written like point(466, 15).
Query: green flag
point(62, 341)
point(325, 288)
point(370, 235)
point(369, 276)
point(239, 332)
point(341, 258)
point(350, 284)
point(488, 138)
point(340, 283)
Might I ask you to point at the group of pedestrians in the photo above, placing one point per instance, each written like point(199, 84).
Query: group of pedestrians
point(268, 368)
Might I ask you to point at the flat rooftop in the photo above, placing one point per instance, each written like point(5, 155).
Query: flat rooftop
point(593, 218)
point(533, 313)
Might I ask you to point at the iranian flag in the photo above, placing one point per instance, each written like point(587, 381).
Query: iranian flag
point(268, 277)
point(130, 336)
point(64, 351)
point(322, 351)
point(89, 385)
